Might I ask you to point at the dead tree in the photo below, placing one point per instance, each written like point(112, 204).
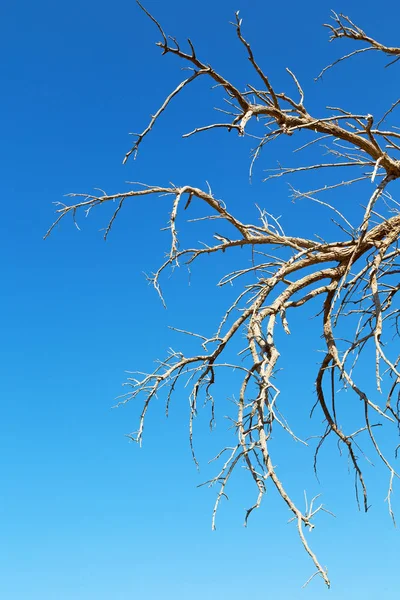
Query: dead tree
point(354, 276)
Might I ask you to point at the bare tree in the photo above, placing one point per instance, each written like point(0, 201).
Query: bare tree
point(354, 278)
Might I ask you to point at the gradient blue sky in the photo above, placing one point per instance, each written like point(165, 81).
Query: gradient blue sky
point(84, 514)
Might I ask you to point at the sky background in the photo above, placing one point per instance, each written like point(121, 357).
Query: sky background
point(85, 514)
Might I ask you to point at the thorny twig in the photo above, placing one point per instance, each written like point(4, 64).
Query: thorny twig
point(354, 278)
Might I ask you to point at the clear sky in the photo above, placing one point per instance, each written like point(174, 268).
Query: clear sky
point(84, 514)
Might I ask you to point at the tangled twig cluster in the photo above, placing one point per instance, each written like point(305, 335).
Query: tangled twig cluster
point(357, 276)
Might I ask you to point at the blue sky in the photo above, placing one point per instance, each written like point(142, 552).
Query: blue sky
point(85, 514)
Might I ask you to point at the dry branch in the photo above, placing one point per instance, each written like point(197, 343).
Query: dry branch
point(354, 277)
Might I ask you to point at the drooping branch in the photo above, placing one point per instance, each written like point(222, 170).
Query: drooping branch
point(350, 279)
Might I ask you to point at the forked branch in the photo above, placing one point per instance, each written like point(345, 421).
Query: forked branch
point(353, 279)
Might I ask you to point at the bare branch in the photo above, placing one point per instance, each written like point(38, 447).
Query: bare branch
point(352, 280)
